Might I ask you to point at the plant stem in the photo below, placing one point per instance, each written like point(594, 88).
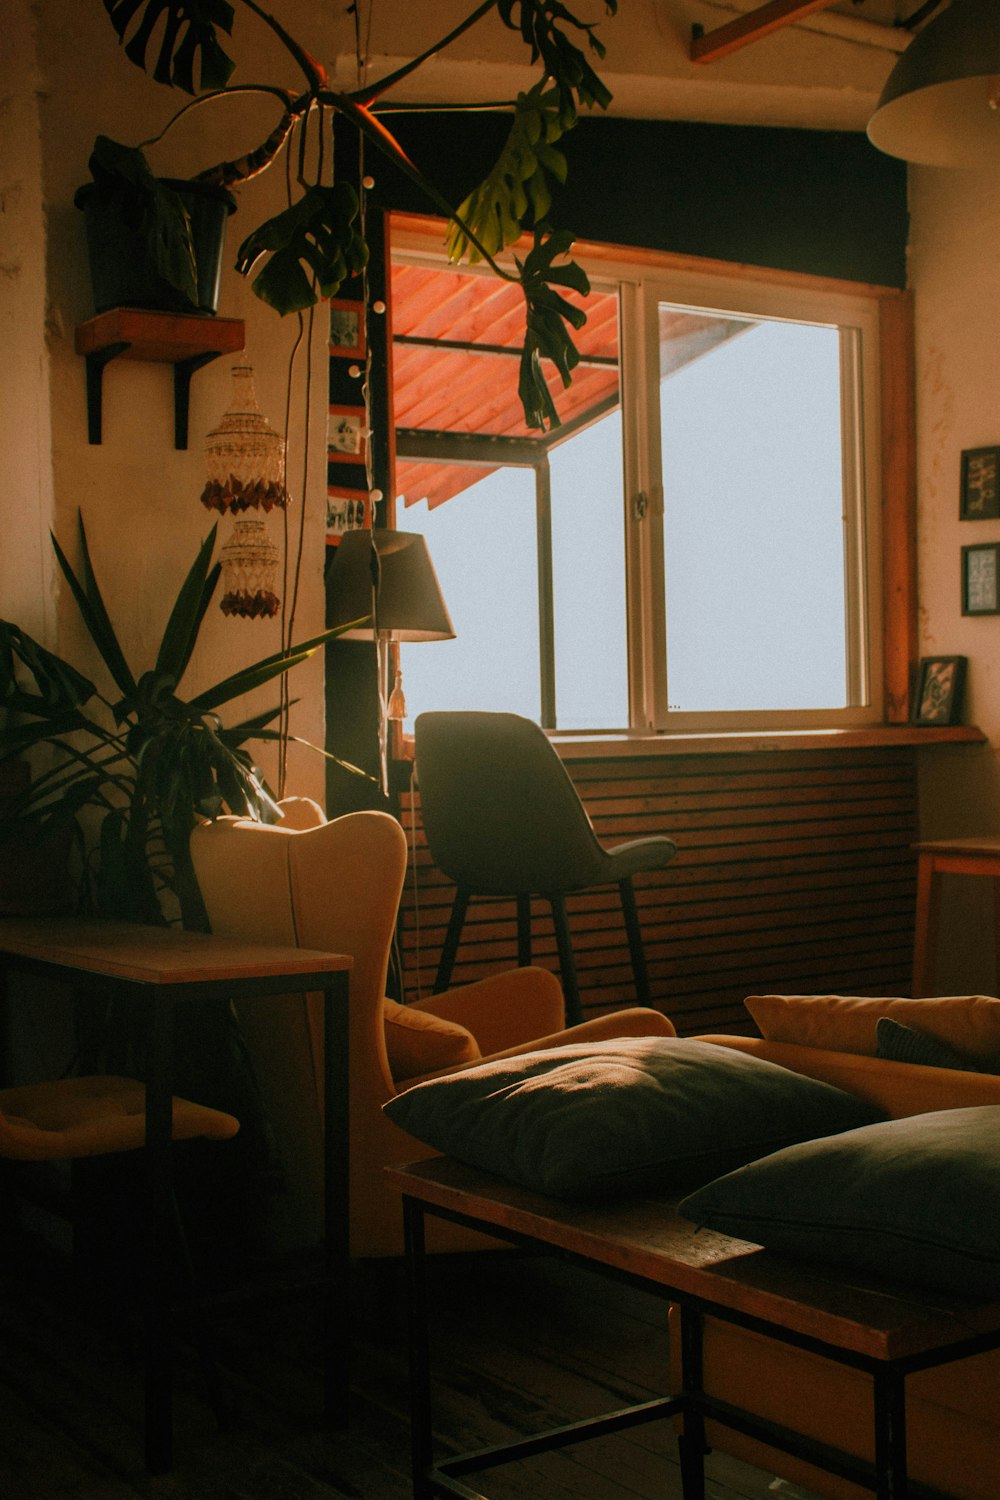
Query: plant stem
point(367, 96)
point(315, 73)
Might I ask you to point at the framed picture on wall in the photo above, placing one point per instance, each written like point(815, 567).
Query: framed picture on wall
point(345, 434)
point(980, 491)
point(937, 696)
point(346, 510)
point(347, 327)
point(981, 579)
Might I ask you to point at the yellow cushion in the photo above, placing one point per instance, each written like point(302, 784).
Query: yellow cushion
point(969, 1024)
point(419, 1043)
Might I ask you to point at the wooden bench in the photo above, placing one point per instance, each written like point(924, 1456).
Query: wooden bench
point(887, 1332)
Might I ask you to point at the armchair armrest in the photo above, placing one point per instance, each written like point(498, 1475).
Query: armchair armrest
point(503, 1010)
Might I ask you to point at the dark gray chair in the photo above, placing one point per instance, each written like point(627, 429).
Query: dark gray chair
point(503, 818)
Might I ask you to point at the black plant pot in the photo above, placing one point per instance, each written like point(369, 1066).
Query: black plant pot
point(121, 271)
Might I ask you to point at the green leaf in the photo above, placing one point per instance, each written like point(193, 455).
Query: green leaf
point(151, 209)
point(313, 247)
point(95, 615)
point(538, 21)
point(189, 28)
point(59, 686)
point(263, 671)
point(181, 632)
point(495, 211)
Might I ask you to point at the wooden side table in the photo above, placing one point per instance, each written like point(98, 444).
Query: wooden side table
point(156, 968)
point(937, 857)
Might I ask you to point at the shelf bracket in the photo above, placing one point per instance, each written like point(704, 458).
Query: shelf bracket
point(185, 340)
point(95, 362)
point(183, 370)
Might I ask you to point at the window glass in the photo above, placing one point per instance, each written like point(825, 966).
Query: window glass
point(704, 555)
point(483, 547)
point(588, 576)
point(753, 529)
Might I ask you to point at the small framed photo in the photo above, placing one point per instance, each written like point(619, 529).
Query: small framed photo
point(347, 327)
point(937, 697)
point(980, 492)
point(346, 510)
point(345, 434)
point(981, 579)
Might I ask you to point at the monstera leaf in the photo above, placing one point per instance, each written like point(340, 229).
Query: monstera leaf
point(565, 64)
point(548, 335)
point(519, 181)
point(188, 30)
point(316, 238)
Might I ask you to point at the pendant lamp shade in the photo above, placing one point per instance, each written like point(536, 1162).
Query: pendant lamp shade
point(407, 603)
point(941, 104)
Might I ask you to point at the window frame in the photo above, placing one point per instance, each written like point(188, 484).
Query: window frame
point(881, 615)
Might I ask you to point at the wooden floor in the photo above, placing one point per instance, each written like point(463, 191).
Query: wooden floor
point(520, 1344)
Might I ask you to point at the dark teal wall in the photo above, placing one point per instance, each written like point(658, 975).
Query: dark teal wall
point(802, 200)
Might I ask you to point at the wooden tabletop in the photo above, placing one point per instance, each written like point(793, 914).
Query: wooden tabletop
point(648, 1238)
point(156, 955)
point(983, 843)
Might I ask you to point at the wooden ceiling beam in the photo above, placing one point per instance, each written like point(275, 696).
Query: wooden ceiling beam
point(708, 46)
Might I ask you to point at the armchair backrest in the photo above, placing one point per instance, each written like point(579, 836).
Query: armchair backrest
point(334, 887)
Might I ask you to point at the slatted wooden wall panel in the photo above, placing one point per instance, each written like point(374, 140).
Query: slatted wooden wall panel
point(794, 874)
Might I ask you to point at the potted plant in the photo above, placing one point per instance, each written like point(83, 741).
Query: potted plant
point(307, 251)
point(143, 765)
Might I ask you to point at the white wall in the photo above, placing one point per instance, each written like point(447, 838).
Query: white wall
point(955, 273)
point(26, 483)
point(140, 496)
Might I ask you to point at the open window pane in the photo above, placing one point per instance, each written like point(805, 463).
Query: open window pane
point(483, 546)
point(588, 578)
point(753, 513)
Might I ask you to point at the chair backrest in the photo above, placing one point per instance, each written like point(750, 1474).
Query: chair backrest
point(334, 887)
point(498, 808)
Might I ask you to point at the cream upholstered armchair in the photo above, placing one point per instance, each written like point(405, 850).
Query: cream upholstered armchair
point(336, 886)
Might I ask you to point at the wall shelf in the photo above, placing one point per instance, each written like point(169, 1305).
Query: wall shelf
point(185, 340)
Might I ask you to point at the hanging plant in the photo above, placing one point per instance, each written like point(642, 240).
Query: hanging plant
point(307, 251)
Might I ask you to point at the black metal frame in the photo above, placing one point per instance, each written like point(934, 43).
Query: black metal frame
point(157, 1002)
point(887, 1477)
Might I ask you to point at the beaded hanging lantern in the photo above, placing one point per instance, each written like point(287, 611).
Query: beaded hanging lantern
point(249, 572)
point(245, 456)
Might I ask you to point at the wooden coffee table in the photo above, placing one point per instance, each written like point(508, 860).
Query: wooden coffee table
point(887, 1333)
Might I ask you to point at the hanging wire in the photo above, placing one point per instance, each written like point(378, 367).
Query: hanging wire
point(290, 595)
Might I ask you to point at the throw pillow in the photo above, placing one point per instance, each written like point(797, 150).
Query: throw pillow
point(628, 1115)
point(898, 1043)
point(917, 1199)
point(969, 1024)
point(419, 1043)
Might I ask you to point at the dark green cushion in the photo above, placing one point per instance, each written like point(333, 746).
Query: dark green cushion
point(630, 1115)
point(915, 1199)
point(898, 1043)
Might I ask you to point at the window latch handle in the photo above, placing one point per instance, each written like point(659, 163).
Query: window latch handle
point(645, 502)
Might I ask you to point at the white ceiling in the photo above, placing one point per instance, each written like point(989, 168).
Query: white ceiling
point(825, 71)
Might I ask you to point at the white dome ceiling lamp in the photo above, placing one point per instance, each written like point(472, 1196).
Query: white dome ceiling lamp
point(941, 104)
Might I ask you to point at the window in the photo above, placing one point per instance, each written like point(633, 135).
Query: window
point(697, 547)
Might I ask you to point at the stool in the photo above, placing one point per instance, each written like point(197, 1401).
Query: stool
point(962, 856)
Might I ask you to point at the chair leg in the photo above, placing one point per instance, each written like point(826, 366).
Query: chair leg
point(567, 963)
point(523, 931)
point(639, 971)
point(455, 924)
